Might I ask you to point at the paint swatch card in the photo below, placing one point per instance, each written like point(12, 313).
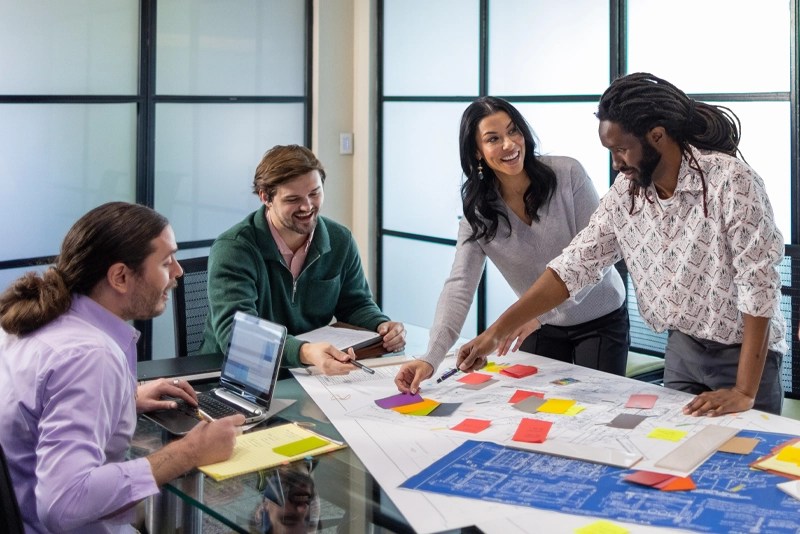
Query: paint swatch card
point(474, 378)
point(529, 405)
point(640, 400)
point(401, 399)
point(532, 431)
point(521, 395)
point(519, 371)
point(418, 408)
point(557, 406)
point(627, 421)
point(473, 426)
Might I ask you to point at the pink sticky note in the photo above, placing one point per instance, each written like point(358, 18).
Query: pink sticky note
point(640, 400)
point(519, 371)
point(521, 395)
point(532, 431)
point(473, 426)
point(474, 378)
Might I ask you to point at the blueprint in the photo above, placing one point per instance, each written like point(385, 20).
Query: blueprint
point(395, 447)
point(730, 497)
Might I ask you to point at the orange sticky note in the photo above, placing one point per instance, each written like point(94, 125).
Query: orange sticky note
point(532, 430)
point(677, 484)
point(556, 406)
point(474, 378)
point(473, 426)
point(426, 404)
point(521, 395)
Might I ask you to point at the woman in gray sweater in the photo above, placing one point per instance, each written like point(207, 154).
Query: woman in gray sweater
point(520, 211)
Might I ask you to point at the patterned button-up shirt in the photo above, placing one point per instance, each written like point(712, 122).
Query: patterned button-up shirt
point(694, 273)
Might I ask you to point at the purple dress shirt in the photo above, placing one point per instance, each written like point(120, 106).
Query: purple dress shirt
point(67, 415)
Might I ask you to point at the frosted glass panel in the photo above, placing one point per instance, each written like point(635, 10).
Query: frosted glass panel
point(56, 47)
point(58, 161)
point(499, 295)
point(543, 47)
point(7, 276)
point(421, 170)
point(210, 47)
point(413, 276)
point(430, 48)
point(765, 145)
point(728, 45)
point(570, 129)
point(206, 156)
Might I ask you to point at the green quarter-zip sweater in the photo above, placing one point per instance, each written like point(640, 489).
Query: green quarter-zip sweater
point(247, 273)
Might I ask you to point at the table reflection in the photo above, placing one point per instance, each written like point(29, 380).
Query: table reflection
point(290, 504)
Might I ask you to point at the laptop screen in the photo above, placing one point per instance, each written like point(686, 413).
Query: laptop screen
point(254, 356)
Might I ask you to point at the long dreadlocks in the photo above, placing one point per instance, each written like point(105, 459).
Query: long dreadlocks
point(640, 102)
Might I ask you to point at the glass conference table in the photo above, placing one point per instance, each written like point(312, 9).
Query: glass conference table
point(332, 492)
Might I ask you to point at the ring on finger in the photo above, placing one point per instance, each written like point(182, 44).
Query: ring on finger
point(175, 382)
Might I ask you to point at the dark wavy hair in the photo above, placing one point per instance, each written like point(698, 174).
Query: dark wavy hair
point(111, 233)
point(479, 197)
point(640, 102)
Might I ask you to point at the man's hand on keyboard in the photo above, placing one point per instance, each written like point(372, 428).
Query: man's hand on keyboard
point(149, 395)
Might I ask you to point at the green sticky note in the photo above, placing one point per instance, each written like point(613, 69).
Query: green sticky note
point(299, 447)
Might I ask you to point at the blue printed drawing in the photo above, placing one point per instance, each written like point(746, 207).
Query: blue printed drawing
point(730, 496)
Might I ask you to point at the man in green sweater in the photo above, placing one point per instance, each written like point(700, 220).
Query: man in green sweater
point(288, 264)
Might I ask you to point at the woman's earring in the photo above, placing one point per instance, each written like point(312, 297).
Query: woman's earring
point(480, 171)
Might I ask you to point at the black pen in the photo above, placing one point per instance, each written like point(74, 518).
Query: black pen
point(363, 367)
point(447, 375)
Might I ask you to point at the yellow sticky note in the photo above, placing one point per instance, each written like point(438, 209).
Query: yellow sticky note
point(556, 405)
point(301, 446)
point(493, 367)
point(426, 404)
point(601, 527)
point(668, 434)
point(789, 454)
point(575, 409)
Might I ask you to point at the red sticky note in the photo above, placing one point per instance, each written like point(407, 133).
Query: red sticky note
point(519, 371)
point(474, 378)
point(640, 400)
point(521, 395)
point(473, 426)
point(647, 478)
point(532, 431)
point(677, 484)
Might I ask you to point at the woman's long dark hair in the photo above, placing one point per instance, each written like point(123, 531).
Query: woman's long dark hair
point(479, 197)
point(640, 102)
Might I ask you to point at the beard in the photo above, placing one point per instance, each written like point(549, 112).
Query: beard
point(647, 165)
point(147, 302)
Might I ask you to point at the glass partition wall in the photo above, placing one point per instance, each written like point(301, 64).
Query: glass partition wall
point(553, 60)
point(169, 103)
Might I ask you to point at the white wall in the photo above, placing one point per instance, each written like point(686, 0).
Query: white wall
point(344, 77)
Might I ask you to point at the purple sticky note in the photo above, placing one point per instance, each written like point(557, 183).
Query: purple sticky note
point(401, 399)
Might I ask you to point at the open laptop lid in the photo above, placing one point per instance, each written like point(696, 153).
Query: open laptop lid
point(253, 361)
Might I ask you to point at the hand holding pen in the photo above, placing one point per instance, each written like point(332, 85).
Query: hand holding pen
point(446, 375)
point(358, 363)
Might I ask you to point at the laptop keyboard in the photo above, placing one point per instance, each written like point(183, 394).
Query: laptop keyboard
point(209, 404)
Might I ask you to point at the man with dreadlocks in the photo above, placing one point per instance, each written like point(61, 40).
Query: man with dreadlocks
point(696, 230)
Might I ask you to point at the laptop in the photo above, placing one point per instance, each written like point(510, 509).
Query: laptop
point(247, 378)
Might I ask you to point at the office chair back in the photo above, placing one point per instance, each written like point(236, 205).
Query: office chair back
point(190, 302)
point(10, 518)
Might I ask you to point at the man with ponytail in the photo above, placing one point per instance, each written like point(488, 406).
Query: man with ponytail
point(68, 392)
point(696, 230)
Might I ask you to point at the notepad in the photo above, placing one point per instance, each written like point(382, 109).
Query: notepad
point(270, 447)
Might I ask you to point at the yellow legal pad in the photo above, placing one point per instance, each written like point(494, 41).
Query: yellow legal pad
point(270, 447)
